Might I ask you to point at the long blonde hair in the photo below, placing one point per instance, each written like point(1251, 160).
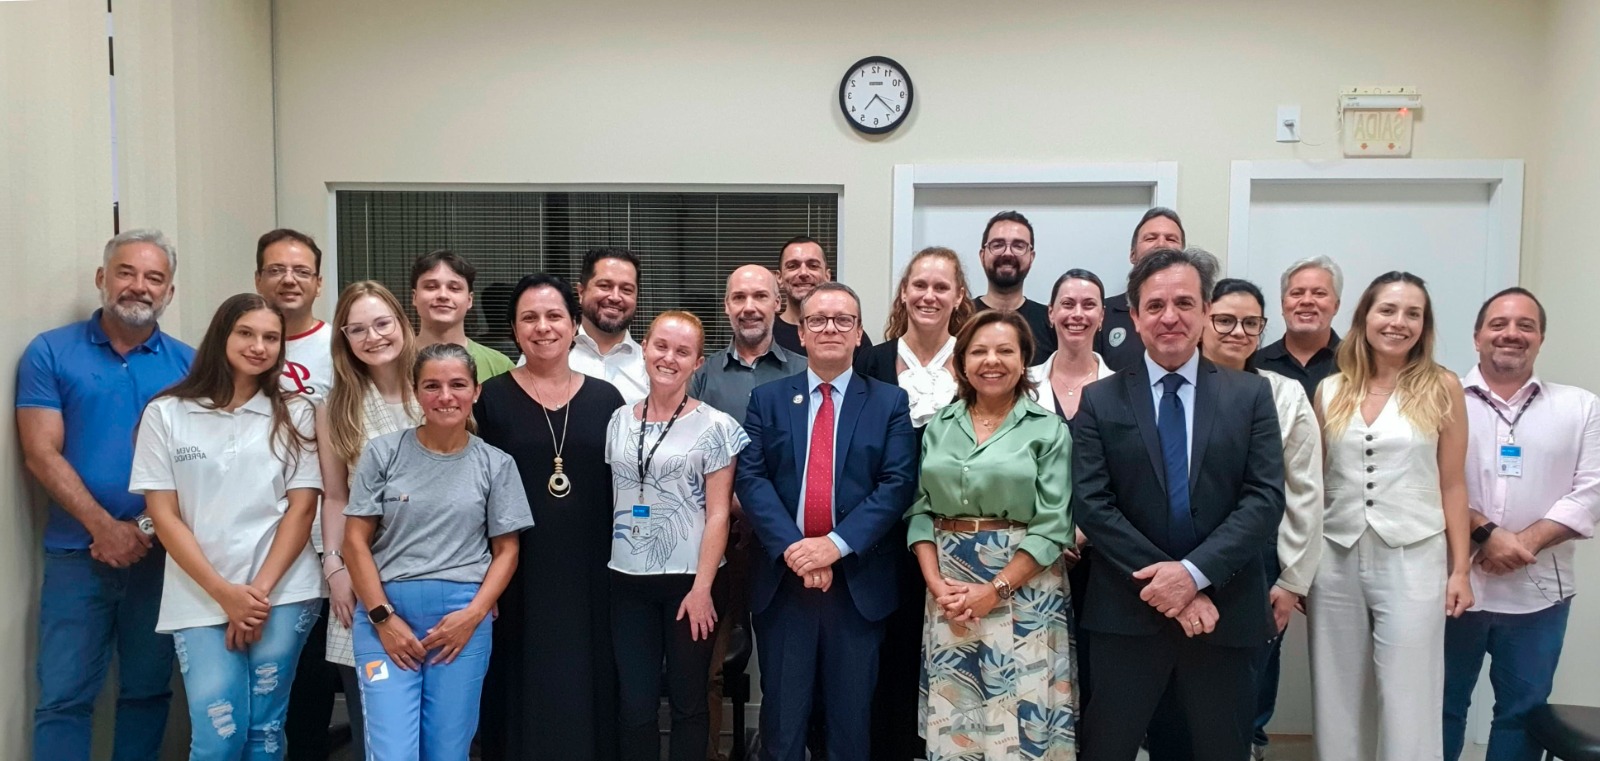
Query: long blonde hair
point(347, 430)
point(899, 315)
point(1424, 397)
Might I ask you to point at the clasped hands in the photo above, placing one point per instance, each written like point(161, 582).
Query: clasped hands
point(1172, 592)
point(812, 560)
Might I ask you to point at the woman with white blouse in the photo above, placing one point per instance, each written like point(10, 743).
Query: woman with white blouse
point(228, 468)
point(917, 354)
point(672, 461)
point(1077, 310)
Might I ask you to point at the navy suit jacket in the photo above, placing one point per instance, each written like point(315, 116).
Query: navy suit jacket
point(875, 476)
point(1119, 497)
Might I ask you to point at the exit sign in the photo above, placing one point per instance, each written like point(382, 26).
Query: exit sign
point(1377, 132)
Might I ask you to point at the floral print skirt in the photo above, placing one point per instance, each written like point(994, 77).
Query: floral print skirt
point(1002, 689)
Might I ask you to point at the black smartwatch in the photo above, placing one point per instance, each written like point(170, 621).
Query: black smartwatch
point(1481, 533)
point(380, 614)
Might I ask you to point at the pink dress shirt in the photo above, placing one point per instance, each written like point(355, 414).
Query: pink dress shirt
point(1560, 439)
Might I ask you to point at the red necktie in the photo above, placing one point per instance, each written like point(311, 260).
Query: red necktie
point(819, 470)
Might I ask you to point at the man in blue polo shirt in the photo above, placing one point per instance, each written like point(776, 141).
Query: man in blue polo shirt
point(81, 389)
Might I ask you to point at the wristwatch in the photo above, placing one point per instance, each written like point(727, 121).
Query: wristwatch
point(1002, 587)
point(380, 614)
point(145, 524)
point(1481, 533)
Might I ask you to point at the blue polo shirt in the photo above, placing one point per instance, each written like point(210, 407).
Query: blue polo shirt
point(101, 396)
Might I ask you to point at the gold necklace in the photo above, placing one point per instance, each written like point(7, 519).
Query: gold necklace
point(559, 485)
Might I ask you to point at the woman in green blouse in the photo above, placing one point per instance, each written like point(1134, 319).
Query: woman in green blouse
point(988, 527)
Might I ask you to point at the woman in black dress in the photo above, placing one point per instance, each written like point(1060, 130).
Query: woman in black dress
point(551, 690)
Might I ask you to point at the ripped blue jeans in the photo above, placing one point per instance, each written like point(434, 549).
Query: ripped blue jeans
point(238, 698)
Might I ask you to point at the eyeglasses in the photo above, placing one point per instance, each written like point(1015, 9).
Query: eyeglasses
point(999, 245)
point(383, 326)
point(843, 323)
point(1225, 323)
point(278, 271)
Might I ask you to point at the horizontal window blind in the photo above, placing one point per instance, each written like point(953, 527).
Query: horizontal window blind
point(687, 242)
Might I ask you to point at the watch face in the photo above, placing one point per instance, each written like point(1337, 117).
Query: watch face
point(378, 615)
point(875, 95)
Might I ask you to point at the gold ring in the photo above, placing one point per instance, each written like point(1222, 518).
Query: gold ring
point(1196, 622)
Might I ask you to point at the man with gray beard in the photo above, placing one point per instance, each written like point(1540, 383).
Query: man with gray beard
point(81, 390)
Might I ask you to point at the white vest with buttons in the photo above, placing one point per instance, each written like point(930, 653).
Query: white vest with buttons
point(1383, 476)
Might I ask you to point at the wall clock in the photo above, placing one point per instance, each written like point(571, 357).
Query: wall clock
point(875, 95)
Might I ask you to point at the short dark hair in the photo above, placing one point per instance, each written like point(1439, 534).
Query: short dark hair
point(594, 256)
point(1515, 290)
point(1231, 285)
point(456, 262)
point(1007, 216)
point(797, 240)
point(282, 234)
point(1158, 211)
point(1166, 258)
point(1025, 346)
point(543, 280)
point(1076, 274)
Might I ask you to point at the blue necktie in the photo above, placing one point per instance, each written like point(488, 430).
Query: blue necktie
point(1175, 452)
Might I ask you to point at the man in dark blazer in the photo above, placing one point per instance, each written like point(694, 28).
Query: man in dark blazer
point(831, 466)
point(1178, 482)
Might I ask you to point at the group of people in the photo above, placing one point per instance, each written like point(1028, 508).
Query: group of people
point(1011, 530)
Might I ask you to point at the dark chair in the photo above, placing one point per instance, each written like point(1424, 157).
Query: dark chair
point(1568, 733)
point(736, 683)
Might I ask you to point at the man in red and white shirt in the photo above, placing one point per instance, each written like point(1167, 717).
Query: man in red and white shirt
point(1533, 483)
point(289, 276)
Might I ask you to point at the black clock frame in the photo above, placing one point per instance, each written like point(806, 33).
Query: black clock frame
point(844, 84)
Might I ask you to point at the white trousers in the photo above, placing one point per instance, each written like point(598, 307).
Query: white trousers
point(1375, 617)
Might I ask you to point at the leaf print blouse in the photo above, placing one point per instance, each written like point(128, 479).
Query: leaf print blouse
point(656, 524)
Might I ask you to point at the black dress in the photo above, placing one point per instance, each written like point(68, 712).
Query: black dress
point(551, 690)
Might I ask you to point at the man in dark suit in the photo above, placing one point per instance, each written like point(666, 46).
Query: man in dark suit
point(831, 466)
point(1178, 481)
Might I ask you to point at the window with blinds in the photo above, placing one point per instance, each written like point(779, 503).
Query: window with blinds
point(688, 243)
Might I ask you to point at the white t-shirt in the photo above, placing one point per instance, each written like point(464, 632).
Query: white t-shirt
point(702, 441)
point(232, 493)
point(308, 362)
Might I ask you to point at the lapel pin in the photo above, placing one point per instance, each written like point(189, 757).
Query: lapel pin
point(798, 399)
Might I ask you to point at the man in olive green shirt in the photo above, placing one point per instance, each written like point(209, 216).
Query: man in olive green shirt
point(441, 292)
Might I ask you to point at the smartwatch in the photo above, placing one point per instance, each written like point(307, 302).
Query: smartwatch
point(1481, 533)
point(380, 614)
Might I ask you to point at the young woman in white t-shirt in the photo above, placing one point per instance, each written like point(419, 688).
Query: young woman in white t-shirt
point(229, 472)
point(672, 461)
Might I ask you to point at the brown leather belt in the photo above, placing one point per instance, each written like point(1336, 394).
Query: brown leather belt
point(971, 525)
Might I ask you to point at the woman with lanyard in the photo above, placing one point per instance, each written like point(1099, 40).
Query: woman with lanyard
point(373, 351)
point(931, 305)
point(431, 537)
point(1396, 535)
point(551, 693)
point(228, 468)
point(672, 461)
point(988, 526)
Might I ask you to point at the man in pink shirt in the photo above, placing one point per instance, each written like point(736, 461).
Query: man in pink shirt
point(1533, 482)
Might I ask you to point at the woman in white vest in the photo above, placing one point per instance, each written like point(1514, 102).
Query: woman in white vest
point(373, 351)
point(1396, 536)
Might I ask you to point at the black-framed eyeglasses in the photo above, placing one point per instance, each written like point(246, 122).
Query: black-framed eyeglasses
point(1017, 246)
point(843, 323)
point(383, 326)
point(1225, 323)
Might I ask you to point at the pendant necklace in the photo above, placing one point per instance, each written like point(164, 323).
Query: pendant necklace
point(559, 485)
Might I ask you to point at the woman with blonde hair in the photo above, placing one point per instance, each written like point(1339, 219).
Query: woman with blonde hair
point(1396, 546)
point(373, 351)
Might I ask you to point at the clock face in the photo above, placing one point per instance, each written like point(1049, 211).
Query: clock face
point(875, 95)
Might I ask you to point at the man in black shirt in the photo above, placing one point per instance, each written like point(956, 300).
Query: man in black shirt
point(1118, 343)
point(1007, 255)
point(801, 267)
point(1310, 290)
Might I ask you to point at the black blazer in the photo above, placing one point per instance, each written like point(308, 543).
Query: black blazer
point(1119, 497)
point(877, 362)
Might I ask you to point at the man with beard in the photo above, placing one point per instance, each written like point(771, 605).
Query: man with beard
point(1118, 342)
point(725, 382)
point(1310, 291)
point(441, 292)
point(608, 291)
point(1533, 464)
point(289, 277)
point(81, 390)
point(1007, 255)
point(801, 267)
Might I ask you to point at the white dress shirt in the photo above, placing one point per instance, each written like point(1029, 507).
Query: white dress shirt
point(1190, 370)
point(622, 367)
point(1560, 439)
point(813, 404)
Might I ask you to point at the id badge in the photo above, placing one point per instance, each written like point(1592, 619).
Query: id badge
point(641, 515)
point(1510, 460)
